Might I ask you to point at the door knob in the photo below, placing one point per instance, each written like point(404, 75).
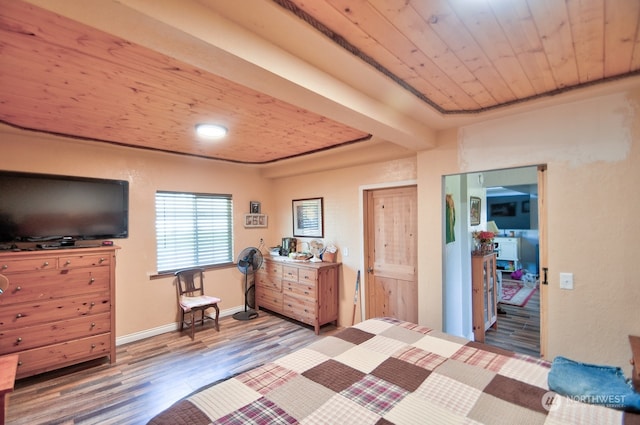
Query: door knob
point(370, 270)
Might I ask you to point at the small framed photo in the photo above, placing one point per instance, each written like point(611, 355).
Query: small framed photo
point(474, 210)
point(255, 220)
point(254, 207)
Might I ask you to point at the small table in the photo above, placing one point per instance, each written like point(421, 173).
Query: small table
point(8, 368)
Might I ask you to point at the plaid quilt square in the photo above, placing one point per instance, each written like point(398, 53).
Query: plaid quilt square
point(375, 394)
point(334, 375)
point(418, 357)
point(480, 358)
point(265, 378)
point(401, 373)
point(354, 335)
point(260, 412)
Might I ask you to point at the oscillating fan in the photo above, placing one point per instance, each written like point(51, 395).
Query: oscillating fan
point(249, 260)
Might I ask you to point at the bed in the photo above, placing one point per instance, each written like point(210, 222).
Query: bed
point(386, 371)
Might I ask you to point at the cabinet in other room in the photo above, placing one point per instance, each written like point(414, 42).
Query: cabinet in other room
point(484, 294)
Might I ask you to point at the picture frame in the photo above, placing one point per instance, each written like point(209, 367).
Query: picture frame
point(504, 209)
point(254, 207)
point(475, 204)
point(308, 217)
point(255, 220)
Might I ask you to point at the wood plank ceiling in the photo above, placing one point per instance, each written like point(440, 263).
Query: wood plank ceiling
point(62, 77)
point(459, 57)
point(467, 56)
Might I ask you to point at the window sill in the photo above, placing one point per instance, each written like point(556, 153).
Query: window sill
point(162, 275)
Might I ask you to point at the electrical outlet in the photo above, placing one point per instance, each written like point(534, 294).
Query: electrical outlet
point(566, 280)
point(345, 252)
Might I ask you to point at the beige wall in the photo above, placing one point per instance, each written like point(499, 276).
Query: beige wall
point(591, 148)
point(143, 305)
point(342, 193)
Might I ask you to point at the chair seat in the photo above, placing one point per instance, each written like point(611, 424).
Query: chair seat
point(187, 303)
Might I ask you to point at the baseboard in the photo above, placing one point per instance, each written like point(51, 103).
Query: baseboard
point(170, 327)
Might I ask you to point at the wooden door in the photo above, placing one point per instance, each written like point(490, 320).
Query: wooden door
point(391, 221)
point(542, 235)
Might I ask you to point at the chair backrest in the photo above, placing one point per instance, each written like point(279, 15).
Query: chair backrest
point(190, 281)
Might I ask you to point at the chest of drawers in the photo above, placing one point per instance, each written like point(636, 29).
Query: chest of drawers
point(59, 307)
point(306, 292)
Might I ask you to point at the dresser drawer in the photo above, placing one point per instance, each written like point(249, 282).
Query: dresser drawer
point(300, 289)
point(26, 265)
point(299, 308)
point(31, 314)
point(38, 360)
point(74, 261)
point(29, 337)
point(270, 282)
point(307, 276)
point(269, 299)
point(47, 285)
point(271, 269)
point(290, 273)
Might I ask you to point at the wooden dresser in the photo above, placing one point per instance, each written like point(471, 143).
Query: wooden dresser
point(484, 281)
point(59, 308)
point(304, 291)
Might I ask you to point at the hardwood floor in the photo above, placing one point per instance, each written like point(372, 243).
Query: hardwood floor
point(152, 374)
point(519, 329)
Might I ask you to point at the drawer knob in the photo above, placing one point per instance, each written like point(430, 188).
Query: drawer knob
point(46, 263)
point(18, 288)
point(101, 260)
point(18, 340)
point(19, 315)
point(5, 267)
point(93, 346)
point(66, 263)
point(92, 304)
point(19, 363)
point(93, 325)
point(93, 279)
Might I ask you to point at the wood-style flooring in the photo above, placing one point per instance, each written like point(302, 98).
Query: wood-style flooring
point(519, 329)
point(152, 374)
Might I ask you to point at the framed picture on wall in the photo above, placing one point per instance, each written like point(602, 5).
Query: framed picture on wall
point(308, 218)
point(474, 210)
point(255, 220)
point(254, 207)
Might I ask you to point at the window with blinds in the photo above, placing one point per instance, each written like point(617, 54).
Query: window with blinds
point(193, 230)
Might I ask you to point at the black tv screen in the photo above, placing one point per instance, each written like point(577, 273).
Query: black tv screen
point(44, 207)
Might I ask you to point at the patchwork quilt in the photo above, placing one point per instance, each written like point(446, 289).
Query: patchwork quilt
point(385, 371)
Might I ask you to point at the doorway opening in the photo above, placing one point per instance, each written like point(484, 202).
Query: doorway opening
point(506, 202)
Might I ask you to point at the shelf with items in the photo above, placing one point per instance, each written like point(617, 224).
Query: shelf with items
point(484, 285)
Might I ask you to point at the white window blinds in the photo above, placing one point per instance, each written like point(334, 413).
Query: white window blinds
point(193, 230)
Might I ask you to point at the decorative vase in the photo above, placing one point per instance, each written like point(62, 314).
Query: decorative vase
point(486, 247)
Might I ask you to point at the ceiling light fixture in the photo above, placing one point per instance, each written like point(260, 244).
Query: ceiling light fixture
point(211, 131)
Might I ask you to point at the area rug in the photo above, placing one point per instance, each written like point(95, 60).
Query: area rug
point(516, 293)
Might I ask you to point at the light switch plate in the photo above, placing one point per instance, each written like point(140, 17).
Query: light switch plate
point(566, 280)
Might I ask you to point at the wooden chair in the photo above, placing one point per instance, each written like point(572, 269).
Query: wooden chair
point(191, 298)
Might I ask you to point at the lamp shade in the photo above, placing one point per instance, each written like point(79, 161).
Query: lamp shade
point(492, 227)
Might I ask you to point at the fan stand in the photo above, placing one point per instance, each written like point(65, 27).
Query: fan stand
point(248, 313)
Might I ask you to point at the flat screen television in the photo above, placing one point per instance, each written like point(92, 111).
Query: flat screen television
point(44, 208)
